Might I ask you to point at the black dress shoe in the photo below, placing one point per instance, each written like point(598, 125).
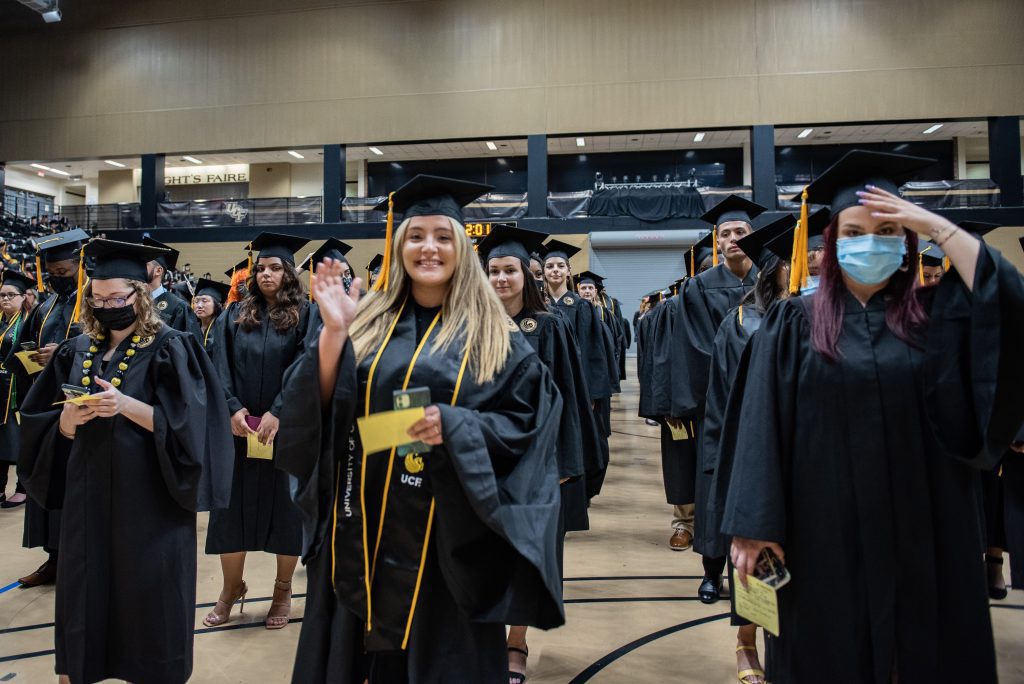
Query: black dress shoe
point(710, 590)
point(46, 574)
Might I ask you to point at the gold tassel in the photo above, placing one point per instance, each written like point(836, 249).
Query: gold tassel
point(39, 275)
point(248, 266)
point(311, 285)
point(945, 263)
point(798, 259)
point(920, 268)
point(714, 246)
point(81, 285)
point(385, 268)
point(693, 267)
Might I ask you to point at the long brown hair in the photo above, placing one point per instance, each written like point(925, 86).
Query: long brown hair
point(148, 321)
point(284, 312)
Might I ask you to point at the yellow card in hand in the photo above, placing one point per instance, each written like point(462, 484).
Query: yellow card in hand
point(678, 433)
point(79, 400)
point(387, 429)
point(31, 366)
point(757, 602)
point(253, 448)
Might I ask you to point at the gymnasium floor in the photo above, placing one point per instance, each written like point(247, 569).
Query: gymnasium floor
point(631, 603)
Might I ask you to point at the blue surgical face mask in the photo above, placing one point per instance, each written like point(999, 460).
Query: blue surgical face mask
point(811, 286)
point(871, 259)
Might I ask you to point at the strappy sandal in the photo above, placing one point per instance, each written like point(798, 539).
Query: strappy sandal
point(995, 593)
point(221, 612)
point(517, 677)
point(752, 675)
point(278, 616)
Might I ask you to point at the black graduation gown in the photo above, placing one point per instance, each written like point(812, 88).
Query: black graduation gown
point(712, 475)
point(1011, 476)
point(252, 366)
point(860, 469)
point(491, 552)
point(49, 323)
point(177, 314)
point(701, 307)
point(644, 361)
point(577, 438)
point(9, 329)
point(126, 575)
point(597, 349)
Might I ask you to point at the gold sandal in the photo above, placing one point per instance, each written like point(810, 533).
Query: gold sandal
point(752, 675)
point(279, 610)
point(221, 612)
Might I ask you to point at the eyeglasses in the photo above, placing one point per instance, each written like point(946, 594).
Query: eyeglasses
point(109, 302)
point(5, 295)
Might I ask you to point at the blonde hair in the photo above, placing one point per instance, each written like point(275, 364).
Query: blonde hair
point(471, 312)
point(147, 320)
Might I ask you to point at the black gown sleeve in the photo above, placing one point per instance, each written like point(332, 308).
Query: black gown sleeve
point(974, 361)
point(693, 336)
point(559, 354)
point(496, 483)
point(43, 454)
point(302, 335)
point(191, 426)
point(224, 332)
point(755, 507)
point(720, 378)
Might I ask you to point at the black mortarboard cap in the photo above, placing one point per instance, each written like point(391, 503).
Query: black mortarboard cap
point(978, 228)
point(930, 253)
point(782, 246)
point(18, 280)
point(755, 245)
point(698, 252)
point(240, 266)
point(839, 184)
point(332, 248)
point(733, 208)
point(211, 288)
point(434, 196)
point(278, 245)
point(114, 259)
point(557, 248)
point(590, 277)
point(510, 241)
point(61, 246)
point(375, 263)
point(169, 260)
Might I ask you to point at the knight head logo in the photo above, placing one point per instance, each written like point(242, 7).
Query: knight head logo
point(413, 463)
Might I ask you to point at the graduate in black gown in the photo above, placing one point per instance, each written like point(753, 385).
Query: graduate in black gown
point(130, 469)
point(702, 305)
point(332, 248)
point(596, 343)
point(874, 402)
point(507, 260)
point(258, 338)
point(45, 328)
point(174, 310)
point(13, 286)
point(429, 555)
point(208, 304)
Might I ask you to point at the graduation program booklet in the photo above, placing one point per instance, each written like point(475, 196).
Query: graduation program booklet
point(387, 429)
point(678, 433)
point(253, 447)
point(31, 367)
point(756, 602)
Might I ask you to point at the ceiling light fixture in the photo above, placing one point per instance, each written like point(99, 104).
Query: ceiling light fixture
point(376, 151)
point(193, 160)
point(51, 170)
point(295, 154)
point(804, 133)
point(932, 129)
point(699, 137)
point(491, 146)
point(580, 142)
point(114, 163)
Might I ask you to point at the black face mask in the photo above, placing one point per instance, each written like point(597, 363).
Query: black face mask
point(116, 319)
point(346, 283)
point(540, 284)
point(62, 285)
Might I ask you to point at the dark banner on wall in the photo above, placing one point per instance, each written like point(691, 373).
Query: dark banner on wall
point(647, 203)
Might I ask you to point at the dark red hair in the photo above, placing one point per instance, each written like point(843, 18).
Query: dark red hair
point(904, 315)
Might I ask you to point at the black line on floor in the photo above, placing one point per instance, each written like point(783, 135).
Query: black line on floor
point(1003, 605)
point(630, 434)
point(24, 656)
point(26, 628)
point(632, 577)
point(607, 660)
point(627, 599)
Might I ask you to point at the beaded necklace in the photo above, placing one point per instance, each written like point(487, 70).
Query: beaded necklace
point(122, 367)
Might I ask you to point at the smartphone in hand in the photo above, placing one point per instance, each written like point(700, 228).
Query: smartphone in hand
point(771, 570)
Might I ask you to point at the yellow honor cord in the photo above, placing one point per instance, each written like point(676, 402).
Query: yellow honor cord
point(385, 267)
